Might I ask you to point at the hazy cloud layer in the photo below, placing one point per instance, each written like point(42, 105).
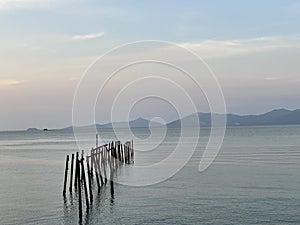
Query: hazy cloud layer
point(6, 4)
point(225, 48)
point(4, 82)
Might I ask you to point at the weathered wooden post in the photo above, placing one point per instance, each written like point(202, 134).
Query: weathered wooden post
point(84, 184)
point(128, 154)
point(111, 167)
point(90, 180)
point(112, 191)
point(124, 153)
point(132, 152)
point(95, 168)
point(112, 158)
point(66, 174)
point(79, 188)
point(71, 178)
point(121, 153)
point(103, 162)
point(99, 169)
point(97, 141)
point(92, 162)
point(76, 170)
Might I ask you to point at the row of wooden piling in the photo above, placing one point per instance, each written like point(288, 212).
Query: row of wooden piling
point(100, 165)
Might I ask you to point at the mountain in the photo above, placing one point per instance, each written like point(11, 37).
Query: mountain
point(275, 117)
point(139, 122)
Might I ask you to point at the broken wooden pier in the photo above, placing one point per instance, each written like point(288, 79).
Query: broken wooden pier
point(88, 174)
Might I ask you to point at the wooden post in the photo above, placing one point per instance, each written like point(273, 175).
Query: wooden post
point(66, 174)
point(111, 167)
point(76, 170)
point(84, 184)
point(124, 153)
point(96, 140)
point(95, 168)
point(92, 162)
point(90, 180)
point(117, 154)
point(112, 191)
point(71, 178)
point(108, 158)
point(128, 154)
point(112, 155)
point(132, 152)
point(99, 170)
point(120, 154)
point(103, 162)
point(79, 188)
point(119, 151)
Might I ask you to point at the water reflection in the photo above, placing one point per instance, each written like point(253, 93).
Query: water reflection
point(101, 201)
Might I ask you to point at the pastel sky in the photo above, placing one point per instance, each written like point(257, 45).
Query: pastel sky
point(46, 45)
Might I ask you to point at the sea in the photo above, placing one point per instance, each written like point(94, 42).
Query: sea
point(255, 179)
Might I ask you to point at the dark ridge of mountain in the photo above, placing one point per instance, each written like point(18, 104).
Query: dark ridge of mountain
point(275, 117)
point(137, 123)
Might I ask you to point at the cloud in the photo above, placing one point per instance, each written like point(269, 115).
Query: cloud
point(226, 48)
point(6, 4)
point(5, 82)
point(87, 36)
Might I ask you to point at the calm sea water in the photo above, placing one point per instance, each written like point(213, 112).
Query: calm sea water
point(254, 180)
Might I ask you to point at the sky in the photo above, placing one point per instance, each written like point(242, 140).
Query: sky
point(253, 48)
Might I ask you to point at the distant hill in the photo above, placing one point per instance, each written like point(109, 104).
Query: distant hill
point(275, 117)
point(139, 122)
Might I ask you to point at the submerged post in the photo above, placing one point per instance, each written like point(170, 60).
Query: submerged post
point(66, 174)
